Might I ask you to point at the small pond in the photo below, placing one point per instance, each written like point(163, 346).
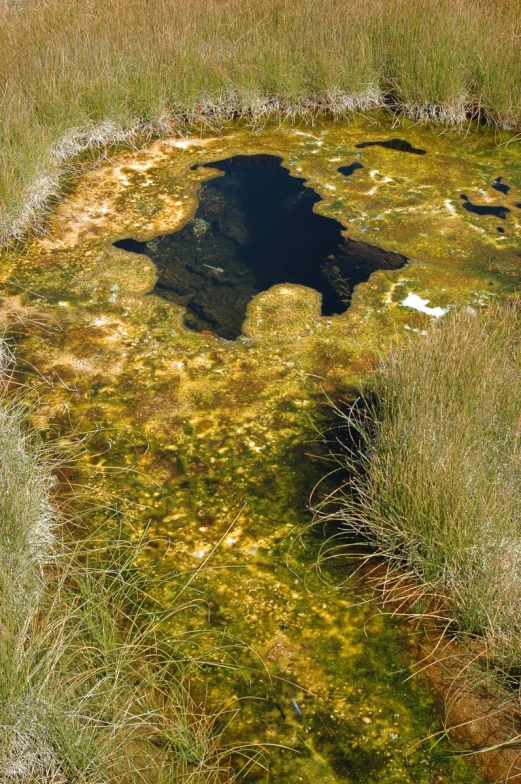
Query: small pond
point(254, 228)
point(193, 307)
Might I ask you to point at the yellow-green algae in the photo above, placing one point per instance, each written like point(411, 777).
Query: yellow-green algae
point(195, 432)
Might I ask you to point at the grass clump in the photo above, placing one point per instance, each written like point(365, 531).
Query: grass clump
point(81, 74)
point(88, 691)
point(437, 485)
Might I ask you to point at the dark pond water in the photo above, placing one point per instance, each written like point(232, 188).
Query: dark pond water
point(255, 227)
point(484, 209)
point(500, 186)
point(347, 171)
point(401, 145)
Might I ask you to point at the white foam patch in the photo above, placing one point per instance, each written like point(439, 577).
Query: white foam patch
point(449, 206)
point(416, 302)
point(184, 144)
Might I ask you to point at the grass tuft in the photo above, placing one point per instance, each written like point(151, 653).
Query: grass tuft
point(436, 485)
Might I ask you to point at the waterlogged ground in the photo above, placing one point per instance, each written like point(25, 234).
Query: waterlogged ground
point(212, 445)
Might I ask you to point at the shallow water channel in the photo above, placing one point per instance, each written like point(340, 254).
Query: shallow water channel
point(193, 307)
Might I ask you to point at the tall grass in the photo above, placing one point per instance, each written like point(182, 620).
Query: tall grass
point(79, 73)
point(437, 486)
point(87, 691)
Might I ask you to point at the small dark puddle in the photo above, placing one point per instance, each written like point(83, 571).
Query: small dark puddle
point(393, 144)
point(500, 186)
point(255, 227)
point(484, 209)
point(349, 170)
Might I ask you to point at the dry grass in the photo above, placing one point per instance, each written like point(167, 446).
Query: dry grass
point(75, 74)
point(437, 487)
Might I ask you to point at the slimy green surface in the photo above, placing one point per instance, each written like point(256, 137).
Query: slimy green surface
point(213, 445)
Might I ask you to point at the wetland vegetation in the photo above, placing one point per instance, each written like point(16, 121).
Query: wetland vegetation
point(435, 480)
point(201, 446)
point(432, 481)
point(231, 212)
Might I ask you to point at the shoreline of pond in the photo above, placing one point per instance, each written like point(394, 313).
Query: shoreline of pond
point(67, 159)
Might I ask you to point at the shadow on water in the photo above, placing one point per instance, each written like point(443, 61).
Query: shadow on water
point(255, 227)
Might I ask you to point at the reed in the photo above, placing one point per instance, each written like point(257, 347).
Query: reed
point(80, 74)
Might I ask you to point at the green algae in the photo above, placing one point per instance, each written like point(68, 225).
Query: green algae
point(209, 444)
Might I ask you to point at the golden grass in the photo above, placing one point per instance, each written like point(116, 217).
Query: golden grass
point(79, 73)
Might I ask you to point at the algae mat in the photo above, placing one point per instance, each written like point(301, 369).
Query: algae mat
point(213, 446)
